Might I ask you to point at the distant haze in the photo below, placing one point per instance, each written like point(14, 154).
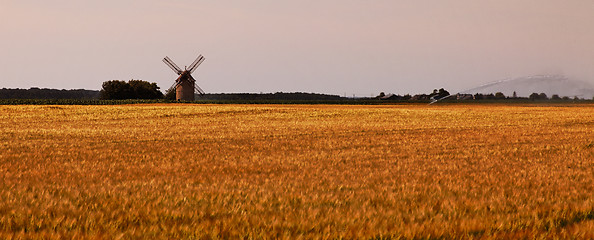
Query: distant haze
point(350, 47)
point(547, 84)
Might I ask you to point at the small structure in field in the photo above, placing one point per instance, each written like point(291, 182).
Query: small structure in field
point(464, 96)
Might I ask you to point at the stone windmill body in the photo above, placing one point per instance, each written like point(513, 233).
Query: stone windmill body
point(185, 85)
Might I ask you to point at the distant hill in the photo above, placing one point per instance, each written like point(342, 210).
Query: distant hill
point(548, 84)
point(46, 93)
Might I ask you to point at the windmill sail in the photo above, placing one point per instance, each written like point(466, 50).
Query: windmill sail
point(196, 87)
point(172, 65)
point(196, 63)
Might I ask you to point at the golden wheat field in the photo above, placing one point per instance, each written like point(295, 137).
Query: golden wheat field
point(297, 171)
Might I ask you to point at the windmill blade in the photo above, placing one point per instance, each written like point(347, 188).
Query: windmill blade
point(172, 88)
point(174, 85)
point(198, 89)
point(196, 63)
point(172, 65)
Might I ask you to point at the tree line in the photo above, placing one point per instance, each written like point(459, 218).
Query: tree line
point(46, 93)
point(139, 89)
point(443, 94)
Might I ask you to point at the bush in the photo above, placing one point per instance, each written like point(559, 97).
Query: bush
point(170, 94)
point(536, 96)
point(499, 95)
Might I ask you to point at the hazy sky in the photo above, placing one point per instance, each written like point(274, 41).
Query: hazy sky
point(326, 46)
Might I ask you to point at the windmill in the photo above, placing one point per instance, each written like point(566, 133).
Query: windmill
point(185, 84)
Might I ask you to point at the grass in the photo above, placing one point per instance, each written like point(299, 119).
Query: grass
point(297, 171)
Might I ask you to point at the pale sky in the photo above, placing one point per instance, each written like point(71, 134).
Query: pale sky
point(324, 46)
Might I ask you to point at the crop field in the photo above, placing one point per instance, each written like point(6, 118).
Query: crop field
point(182, 171)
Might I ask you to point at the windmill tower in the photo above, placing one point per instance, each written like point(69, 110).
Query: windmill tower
point(185, 84)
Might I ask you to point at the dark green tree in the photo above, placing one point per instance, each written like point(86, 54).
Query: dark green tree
point(439, 94)
point(443, 93)
point(116, 89)
point(499, 95)
point(145, 90)
point(133, 89)
point(170, 94)
point(536, 96)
